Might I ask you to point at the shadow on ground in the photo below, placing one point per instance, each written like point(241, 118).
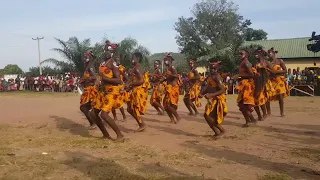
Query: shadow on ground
point(174, 131)
point(64, 124)
point(254, 161)
point(102, 169)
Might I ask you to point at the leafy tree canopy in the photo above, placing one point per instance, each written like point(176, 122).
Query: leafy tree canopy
point(180, 61)
point(73, 51)
point(215, 30)
point(11, 69)
point(46, 70)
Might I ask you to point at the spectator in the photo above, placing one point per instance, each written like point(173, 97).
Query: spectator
point(289, 76)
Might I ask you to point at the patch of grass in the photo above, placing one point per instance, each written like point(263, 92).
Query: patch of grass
point(142, 151)
point(4, 150)
point(312, 154)
point(64, 142)
point(225, 161)
point(275, 177)
point(33, 166)
point(185, 156)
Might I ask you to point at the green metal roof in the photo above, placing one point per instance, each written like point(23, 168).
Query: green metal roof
point(287, 48)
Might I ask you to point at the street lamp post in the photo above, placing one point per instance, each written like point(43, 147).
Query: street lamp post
point(38, 39)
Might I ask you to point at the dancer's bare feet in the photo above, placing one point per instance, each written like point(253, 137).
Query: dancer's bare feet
point(172, 121)
point(245, 125)
point(222, 133)
point(119, 139)
point(107, 137)
point(253, 121)
point(92, 127)
point(264, 117)
point(160, 113)
point(178, 119)
point(141, 128)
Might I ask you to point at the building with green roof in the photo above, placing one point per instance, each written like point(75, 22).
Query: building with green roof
point(293, 51)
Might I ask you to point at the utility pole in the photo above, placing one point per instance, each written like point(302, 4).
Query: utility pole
point(38, 39)
point(162, 65)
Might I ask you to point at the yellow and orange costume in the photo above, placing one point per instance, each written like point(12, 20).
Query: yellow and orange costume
point(172, 93)
point(109, 97)
point(216, 105)
point(279, 85)
point(194, 91)
point(157, 92)
point(246, 89)
point(269, 89)
point(262, 97)
point(90, 92)
point(246, 92)
point(139, 95)
point(125, 94)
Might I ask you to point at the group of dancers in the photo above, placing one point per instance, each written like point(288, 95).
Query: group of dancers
point(258, 85)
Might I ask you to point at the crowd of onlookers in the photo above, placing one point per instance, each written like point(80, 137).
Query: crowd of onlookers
point(59, 83)
point(295, 77)
point(304, 77)
point(68, 82)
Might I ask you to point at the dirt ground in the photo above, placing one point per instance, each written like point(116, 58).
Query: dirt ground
point(44, 136)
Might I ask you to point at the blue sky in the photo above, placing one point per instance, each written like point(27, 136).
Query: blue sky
point(149, 21)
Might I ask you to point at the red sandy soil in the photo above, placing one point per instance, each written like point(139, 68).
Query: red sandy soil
point(277, 148)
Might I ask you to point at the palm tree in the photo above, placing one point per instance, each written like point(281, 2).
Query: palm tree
point(127, 47)
point(73, 51)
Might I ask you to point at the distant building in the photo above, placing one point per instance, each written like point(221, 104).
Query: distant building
point(10, 76)
point(293, 51)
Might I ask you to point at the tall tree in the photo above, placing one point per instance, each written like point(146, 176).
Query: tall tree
point(254, 34)
point(125, 50)
point(127, 47)
point(214, 29)
point(72, 51)
point(46, 70)
point(180, 61)
point(12, 69)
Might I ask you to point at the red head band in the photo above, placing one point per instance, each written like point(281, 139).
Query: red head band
point(89, 53)
point(213, 64)
point(168, 56)
point(261, 52)
point(111, 46)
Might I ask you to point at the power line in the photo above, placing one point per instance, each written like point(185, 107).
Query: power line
point(38, 39)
